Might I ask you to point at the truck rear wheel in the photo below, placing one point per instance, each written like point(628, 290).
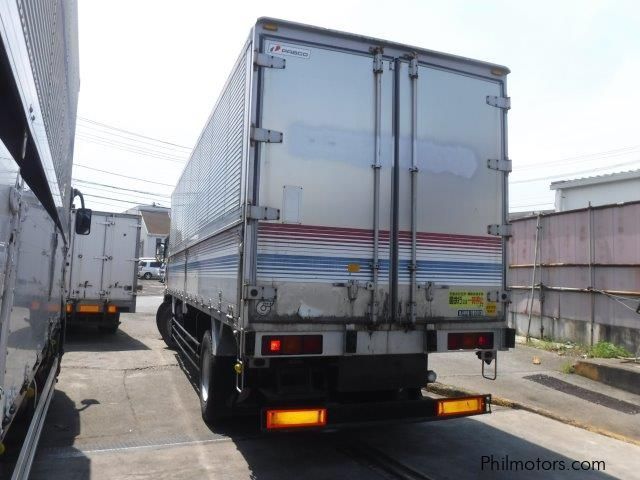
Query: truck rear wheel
point(163, 322)
point(216, 383)
point(112, 326)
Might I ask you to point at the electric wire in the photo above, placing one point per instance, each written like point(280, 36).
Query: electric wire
point(110, 198)
point(91, 130)
point(130, 149)
point(122, 175)
point(570, 174)
point(89, 182)
point(85, 119)
point(586, 157)
point(147, 198)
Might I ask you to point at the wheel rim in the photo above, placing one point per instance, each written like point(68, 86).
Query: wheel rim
point(147, 276)
point(205, 377)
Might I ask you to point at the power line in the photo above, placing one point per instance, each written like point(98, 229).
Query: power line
point(123, 176)
point(571, 174)
point(117, 136)
point(588, 157)
point(110, 205)
point(84, 119)
point(119, 188)
point(128, 195)
point(111, 198)
point(136, 144)
point(129, 148)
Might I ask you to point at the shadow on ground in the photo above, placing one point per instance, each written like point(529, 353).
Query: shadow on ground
point(61, 428)
point(81, 338)
point(462, 448)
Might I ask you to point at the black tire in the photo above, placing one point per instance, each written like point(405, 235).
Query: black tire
point(112, 326)
point(147, 276)
point(216, 384)
point(163, 322)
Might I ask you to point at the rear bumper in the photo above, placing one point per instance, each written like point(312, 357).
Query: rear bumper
point(391, 412)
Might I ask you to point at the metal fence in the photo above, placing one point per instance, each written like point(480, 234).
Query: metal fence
point(575, 275)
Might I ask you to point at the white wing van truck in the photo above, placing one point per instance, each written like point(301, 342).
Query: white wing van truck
point(103, 271)
point(39, 84)
point(342, 217)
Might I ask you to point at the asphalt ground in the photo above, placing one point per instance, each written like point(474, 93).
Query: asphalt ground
point(124, 408)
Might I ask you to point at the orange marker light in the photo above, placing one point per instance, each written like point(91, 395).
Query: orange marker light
point(88, 308)
point(312, 417)
point(461, 406)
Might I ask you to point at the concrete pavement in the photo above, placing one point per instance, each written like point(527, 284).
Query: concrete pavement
point(586, 404)
point(124, 408)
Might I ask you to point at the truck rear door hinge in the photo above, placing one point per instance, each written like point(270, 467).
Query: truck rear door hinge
point(254, 292)
point(413, 68)
point(499, 102)
point(264, 135)
point(377, 63)
point(256, 212)
point(268, 61)
point(499, 230)
point(499, 296)
point(500, 164)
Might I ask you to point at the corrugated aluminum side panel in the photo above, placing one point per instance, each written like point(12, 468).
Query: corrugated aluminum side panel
point(207, 196)
point(212, 268)
point(51, 34)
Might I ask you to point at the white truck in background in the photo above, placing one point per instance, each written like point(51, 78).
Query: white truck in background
point(103, 271)
point(342, 217)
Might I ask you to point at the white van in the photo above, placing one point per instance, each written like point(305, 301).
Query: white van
point(149, 268)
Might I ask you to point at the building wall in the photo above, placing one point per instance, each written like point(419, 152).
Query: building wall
point(598, 194)
point(147, 240)
point(589, 269)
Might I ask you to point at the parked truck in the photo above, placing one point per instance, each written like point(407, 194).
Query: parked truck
point(342, 216)
point(103, 272)
point(39, 86)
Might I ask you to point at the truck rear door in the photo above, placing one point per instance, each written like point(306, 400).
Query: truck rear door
point(120, 267)
point(343, 115)
point(87, 259)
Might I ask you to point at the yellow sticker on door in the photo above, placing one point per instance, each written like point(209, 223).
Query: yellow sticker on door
point(466, 299)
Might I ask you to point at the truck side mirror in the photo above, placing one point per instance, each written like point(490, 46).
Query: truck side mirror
point(83, 221)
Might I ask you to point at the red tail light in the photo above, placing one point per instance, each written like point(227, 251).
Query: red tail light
point(292, 344)
point(470, 341)
point(275, 346)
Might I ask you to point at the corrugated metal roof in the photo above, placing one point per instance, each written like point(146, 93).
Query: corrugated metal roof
point(606, 178)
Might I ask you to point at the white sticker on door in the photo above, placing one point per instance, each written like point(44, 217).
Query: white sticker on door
point(279, 48)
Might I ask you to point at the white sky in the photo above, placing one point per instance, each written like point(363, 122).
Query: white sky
point(156, 68)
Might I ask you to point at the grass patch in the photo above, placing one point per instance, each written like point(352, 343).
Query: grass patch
point(568, 368)
point(607, 350)
point(569, 349)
